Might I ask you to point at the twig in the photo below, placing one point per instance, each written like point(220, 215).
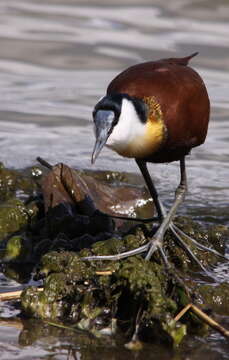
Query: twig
point(61, 326)
point(105, 272)
point(182, 312)
point(212, 323)
point(44, 163)
point(12, 323)
point(13, 295)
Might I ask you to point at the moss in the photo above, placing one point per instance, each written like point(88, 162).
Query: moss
point(216, 297)
point(54, 262)
point(218, 236)
point(109, 247)
point(93, 293)
point(17, 248)
point(13, 217)
point(115, 245)
point(208, 237)
point(176, 330)
point(38, 304)
point(144, 281)
point(79, 269)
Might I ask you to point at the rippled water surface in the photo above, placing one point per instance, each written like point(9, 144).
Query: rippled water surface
point(56, 59)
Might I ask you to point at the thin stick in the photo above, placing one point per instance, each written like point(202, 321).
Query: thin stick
point(209, 320)
point(61, 326)
point(103, 273)
point(182, 312)
point(14, 324)
point(44, 163)
point(212, 323)
point(13, 295)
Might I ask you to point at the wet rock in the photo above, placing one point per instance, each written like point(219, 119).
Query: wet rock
point(68, 205)
point(81, 201)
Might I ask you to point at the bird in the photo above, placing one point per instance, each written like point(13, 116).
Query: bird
point(154, 112)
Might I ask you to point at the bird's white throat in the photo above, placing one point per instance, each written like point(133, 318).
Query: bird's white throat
point(128, 128)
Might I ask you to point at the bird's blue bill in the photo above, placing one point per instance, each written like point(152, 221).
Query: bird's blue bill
point(103, 121)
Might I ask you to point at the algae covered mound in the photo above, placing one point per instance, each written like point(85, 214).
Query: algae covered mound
point(92, 295)
point(62, 217)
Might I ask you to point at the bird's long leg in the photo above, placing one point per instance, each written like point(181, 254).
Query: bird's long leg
point(166, 222)
point(157, 240)
point(182, 188)
point(152, 190)
point(155, 243)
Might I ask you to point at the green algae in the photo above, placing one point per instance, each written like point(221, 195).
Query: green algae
point(212, 237)
point(18, 248)
point(39, 303)
point(93, 295)
point(13, 217)
point(143, 279)
point(176, 330)
point(215, 297)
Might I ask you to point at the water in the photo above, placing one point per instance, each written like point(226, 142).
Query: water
point(56, 59)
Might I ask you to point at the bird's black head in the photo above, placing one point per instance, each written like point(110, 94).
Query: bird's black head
point(106, 116)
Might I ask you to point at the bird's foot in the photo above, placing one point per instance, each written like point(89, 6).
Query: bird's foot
point(120, 256)
point(180, 234)
point(156, 243)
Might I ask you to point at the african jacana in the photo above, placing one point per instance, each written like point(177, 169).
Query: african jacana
point(155, 112)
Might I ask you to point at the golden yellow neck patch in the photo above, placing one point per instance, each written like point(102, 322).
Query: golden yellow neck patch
point(155, 128)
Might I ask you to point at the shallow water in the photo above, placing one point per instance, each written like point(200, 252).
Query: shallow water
point(56, 59)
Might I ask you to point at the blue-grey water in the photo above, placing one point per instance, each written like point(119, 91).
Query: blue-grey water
point(56, 59)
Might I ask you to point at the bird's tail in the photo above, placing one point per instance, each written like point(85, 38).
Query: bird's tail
point(181, 61)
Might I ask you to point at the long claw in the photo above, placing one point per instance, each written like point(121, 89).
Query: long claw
point(186, 248)
point(120, 256)
point(154, 244)
point(198, 245)
point(164, 257)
